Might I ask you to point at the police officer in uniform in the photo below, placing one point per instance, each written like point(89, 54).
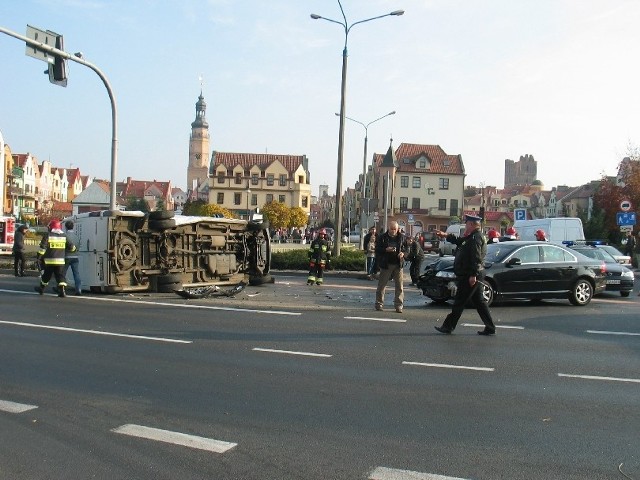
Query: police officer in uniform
point(318, 256)
point(53, 248)
point(469, 269)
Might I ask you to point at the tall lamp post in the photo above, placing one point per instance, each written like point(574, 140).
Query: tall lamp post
point(364, 171)
point(248, 195)
point(347, 28)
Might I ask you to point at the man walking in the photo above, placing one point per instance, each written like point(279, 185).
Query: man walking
point(468, 267)
point(71, 258)
point(52, 252)
point(390, 251)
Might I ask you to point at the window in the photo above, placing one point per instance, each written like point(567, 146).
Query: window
point(415, 182)
point(404, 181)
point(269, 197)
point(415, 203)
point(238, 178)
point(220, 198)
point(283, 180)
point(422, 163)
point(443, 184)
point(220, 177)
point(551, 254)
point(442, 204)
point(270, 180)
point(453, 207)
point(404, 201)
point(281, 198)
point(236, 198)
point(254, 179)
point(305, 202)
point(528, 254)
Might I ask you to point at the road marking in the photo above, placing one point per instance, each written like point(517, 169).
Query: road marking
point(289, 352)
point(396, 320)
point(13, 407)
point(384, 473)
point(165, 304)
point(604, 332)
point(95, 332)
point(595, 377)
point(513, 327)
point(444, 365)
point(191, 441)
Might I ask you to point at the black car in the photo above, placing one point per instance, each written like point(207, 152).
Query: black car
point(429, 241)
point(618, 277)
point(523, 270)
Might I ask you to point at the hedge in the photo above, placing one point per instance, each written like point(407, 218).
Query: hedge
point(298, 259)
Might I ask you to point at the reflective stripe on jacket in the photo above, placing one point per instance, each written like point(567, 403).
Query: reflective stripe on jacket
point(54, 246)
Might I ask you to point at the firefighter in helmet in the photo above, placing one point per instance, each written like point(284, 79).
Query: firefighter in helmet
point(51, 254)
point(318, 256)
point(494, 236)
point(541, 236)
point(510, 234)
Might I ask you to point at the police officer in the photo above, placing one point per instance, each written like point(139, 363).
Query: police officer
point(318, 256)
point(53, 248)
point(468, 267)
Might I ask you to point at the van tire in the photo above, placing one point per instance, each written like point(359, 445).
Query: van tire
point(162, 224)
point(161, 214)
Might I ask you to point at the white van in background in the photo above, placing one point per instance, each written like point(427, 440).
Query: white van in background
point(448, 248)
point(556, 229)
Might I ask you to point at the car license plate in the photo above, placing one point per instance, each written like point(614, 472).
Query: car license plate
point(613, 282)
point(427, 244)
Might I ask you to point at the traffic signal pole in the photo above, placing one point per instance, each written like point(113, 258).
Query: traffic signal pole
point(114, 123)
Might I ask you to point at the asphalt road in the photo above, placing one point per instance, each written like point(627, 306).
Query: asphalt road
point(286, 381)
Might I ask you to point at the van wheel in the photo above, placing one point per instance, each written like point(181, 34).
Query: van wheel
point(169, 287)
point(169, 278)
point(162, 224)
point(161, 214)
point(260, 280)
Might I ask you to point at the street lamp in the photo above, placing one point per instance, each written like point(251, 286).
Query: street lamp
point(364, 171)
point(248, 195)
point(347, 28)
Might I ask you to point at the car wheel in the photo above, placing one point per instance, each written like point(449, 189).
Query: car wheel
point(581, 293)
point(487, 292)
point(624, 294)
point(161, 214)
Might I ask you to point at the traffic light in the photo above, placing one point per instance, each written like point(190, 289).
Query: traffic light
point(58, 69)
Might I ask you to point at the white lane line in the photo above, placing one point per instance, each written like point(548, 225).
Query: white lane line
point(95, 332)
point(384, 473)
point(513, 327)
point(595, 377)
point(289, 352)
point(191, 441)
point(165, 304)
point(13, 407)
point(395, 320)
point(444, 365)
point(604, 332)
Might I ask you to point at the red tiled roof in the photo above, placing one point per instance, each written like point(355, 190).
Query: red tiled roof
point(262, 160)
point(441, 162)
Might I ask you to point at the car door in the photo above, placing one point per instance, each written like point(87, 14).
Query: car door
point(515, 280)
point(559, 269)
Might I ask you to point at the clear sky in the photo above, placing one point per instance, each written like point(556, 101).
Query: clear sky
point(486, 79)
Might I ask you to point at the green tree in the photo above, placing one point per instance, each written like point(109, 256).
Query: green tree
point(160, 205)
point(140, 204)
point(277, 213)
point(191, 207)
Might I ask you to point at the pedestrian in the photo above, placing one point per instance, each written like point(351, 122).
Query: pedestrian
point(630, 246)
point(52, 254)
point(468, 267)
point(71, 258)
point(318, 256)
point(19, 257)
point(415, 255)
point(370, 252)
point(390, 251)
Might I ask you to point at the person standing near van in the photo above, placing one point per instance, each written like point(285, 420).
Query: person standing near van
point(71, 258)
point(52, 253)
point(468, 267)
point(19, 258)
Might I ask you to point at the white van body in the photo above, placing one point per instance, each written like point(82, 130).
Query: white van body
point(448, 248)
point(556, 229)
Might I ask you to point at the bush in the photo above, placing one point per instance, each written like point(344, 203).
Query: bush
point(298, 259)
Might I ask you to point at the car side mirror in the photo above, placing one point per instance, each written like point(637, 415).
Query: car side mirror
point(514, 261)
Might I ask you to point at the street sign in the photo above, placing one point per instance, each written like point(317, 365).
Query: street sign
point(625, 205)
point(626, 228)
point(46, 37)
point(626, 218)
point(410, 219)
point(520, 214)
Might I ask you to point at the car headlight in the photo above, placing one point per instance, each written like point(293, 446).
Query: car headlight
point(445, 274)
point(627, 274)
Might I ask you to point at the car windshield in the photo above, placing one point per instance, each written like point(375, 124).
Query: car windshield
point(496, 252)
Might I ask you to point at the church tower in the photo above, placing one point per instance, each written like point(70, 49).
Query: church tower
point(198, 170)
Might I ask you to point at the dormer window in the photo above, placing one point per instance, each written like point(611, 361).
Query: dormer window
point(422, 163)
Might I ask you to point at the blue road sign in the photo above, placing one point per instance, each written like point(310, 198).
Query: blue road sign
point(626, 218)
point(520, 214)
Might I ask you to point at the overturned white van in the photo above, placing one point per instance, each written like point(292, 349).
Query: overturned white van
point(125, 251)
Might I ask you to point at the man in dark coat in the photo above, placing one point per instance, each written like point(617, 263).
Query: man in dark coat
point(469, 269)
point(19, 258)
point(318, 256)
point(390, 252)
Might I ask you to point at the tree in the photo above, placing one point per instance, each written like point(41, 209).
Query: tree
point(277, 213)
point(191, 207)
point(140, 204)
point(161, 205)
point(212, 210)
point(298, 217)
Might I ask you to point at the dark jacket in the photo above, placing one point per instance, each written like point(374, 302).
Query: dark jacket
point(415, 252)
point(470, 253)
point(384, 258)
point(18, 241)
point(319, 250)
